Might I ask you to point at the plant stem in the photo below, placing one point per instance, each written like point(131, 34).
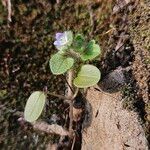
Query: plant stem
point(73, 54)
point(70, 94)
point(66, 80)
point(60, 96)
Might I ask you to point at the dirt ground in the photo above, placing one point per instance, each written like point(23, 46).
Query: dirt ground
point(122, 30)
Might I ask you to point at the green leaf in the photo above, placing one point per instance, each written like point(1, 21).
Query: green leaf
point(92, 51)
point(59, 64)
point(69, 37)
point(88, 76)
point(62, 47)
point(34, 106)
point(79, 43)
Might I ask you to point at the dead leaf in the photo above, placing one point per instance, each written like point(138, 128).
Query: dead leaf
point(51, 129)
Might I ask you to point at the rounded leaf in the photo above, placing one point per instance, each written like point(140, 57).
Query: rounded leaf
point(59, 63)
point(92, 51)
point(88, 76)
point(34, 106)
point(79, 43)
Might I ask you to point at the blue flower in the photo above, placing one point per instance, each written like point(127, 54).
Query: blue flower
point(63, 40)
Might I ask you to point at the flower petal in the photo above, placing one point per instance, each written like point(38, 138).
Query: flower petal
point(58, 35)
point(57, 43)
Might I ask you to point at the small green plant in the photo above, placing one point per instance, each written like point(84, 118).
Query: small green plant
point(72, 59)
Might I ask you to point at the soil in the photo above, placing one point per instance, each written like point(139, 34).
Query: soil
point(27, 43)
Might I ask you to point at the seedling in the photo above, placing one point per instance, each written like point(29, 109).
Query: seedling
point(72, 58)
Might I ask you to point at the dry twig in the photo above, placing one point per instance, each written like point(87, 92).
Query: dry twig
point(50, 129)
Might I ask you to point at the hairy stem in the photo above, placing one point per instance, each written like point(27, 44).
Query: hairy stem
point(70, 94)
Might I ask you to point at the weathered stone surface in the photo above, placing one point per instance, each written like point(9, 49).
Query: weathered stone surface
point(140, 36)
point(112, 127)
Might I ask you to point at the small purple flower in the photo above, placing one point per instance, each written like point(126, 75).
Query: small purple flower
point(63, 40)
point(58, 35)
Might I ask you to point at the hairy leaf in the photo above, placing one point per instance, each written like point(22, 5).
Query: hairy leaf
point(34, 106)
point(59, 64)
point(79, 43)
point(88, 76)
point(92, 50)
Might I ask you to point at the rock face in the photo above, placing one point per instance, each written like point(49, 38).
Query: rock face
point(140, 36)
point(112, 127)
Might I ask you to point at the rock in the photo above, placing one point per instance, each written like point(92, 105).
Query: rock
point(112, 127)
